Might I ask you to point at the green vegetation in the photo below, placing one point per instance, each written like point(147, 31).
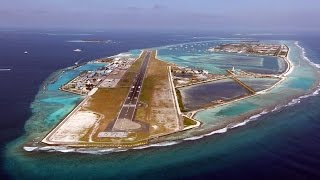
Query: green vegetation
point(147, 90)
point(188, 122)
point(180, 100)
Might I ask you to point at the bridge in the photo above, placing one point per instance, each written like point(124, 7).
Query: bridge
point(248, 88)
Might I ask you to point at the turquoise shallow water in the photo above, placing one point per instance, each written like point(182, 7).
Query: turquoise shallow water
point(222, 114)
point(135, 53)
point(180, 160)
point(51, 105)
point(69, 74)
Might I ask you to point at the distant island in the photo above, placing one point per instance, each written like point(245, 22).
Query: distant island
point(91, 41)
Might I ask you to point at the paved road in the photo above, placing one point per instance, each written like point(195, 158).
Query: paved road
point(129, 106)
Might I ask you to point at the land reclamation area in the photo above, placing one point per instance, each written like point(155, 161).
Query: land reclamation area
point(198, 90)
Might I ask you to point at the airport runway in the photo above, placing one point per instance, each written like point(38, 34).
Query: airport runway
point(130, 104)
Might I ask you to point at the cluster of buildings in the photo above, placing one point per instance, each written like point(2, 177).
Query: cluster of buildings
point(252, 48)
point(182, 70)
point(121, 63)
point(186, 76)
point(246, 74)
point(284, 51)
point(88, 80)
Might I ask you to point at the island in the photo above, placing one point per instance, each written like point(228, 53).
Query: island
point(131, 102)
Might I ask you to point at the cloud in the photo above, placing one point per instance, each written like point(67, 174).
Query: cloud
point(155, 14)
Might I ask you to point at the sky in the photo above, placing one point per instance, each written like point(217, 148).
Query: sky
point(244, 15)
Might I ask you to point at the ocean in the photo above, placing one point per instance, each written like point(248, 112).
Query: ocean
point(279, 144)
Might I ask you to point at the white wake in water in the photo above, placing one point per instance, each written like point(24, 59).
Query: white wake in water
point(5, 69)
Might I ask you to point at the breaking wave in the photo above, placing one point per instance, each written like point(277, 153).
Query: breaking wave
point(64, 149)
point(305, 56)
point(161, 144)
point(121, 55)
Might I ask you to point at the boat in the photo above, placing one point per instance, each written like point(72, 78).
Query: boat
point(26, 52)
point(77, 50)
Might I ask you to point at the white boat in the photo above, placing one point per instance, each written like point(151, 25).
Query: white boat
point(77, 50)
point(26, 52)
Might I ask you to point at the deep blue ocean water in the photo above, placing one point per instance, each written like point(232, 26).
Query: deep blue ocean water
point(283, 144)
